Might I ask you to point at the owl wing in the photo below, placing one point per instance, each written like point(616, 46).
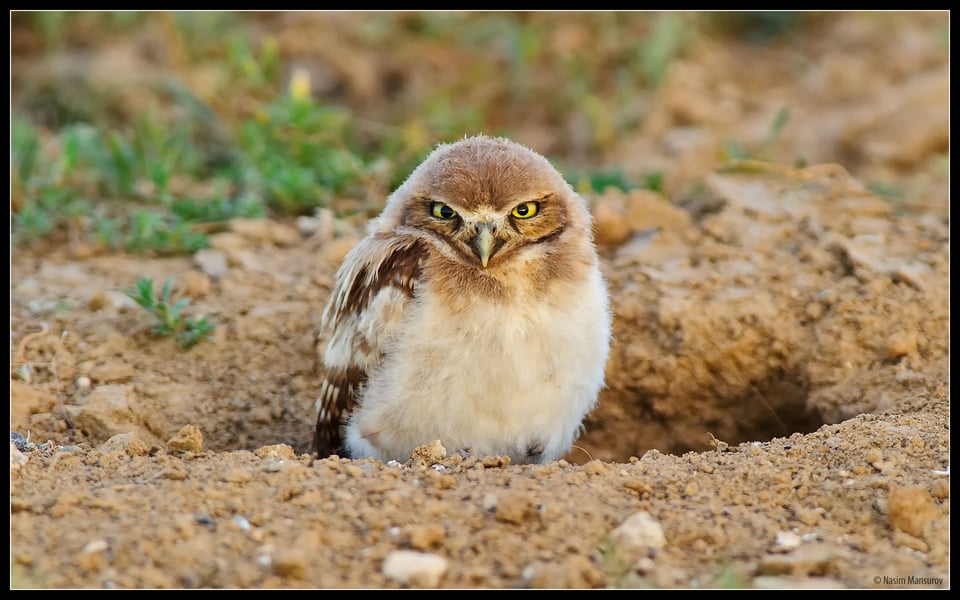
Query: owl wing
point(373, 288)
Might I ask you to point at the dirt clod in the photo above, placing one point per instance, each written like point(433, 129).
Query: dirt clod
point(188, 439)
point(114, 371)
point(423, 537)
point(106, 412)
point(290, 562)
point(512, 507)
point(431, 453)
point(126, 443)
point(910, 509)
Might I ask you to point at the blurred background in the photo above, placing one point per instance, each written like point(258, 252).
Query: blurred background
point(143, 132)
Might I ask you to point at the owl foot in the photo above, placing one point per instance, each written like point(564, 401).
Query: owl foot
point(535, 450)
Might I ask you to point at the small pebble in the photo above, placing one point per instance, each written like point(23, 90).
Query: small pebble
point(212, 262)
point(94, 546)
point(417, 568)
point(639, 534)
point(787, 539)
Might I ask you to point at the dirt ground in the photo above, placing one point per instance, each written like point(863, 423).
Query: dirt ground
point(778, 388)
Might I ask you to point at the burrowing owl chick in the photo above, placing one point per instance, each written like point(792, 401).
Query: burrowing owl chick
point(474, 312)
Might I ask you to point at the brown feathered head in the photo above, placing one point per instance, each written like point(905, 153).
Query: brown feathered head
point(484, 200)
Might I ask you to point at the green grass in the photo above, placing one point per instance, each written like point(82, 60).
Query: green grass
point(757, 26)
point(735, 151)
point(150, 187)
point(943, 35)
point(729, 578)
point(169, 318)
point(151, 173)
point(599, 181)
point(614, 563)
point(290, 160)
point(296, 155)
point(886, 189)
point(25, 578)
point(152, 183)
point(661, 46)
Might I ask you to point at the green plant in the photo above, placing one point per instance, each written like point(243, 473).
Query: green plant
point(886, 189)
point(618, 567)
point(653, 181)
point(24, 147)
point(730, 578)
point(256, 67)
point(154, 232)
point(32, 221)
point(221, 208)
point(295, 154)
point(187, 331)
point(734, 151)
point(598, 181)
point(779, 122)
point(756, 26)
point(663, 44)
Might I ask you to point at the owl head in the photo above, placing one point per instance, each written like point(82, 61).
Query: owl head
point(486, 202)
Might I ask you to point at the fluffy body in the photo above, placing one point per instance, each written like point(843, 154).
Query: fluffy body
point(496, 344)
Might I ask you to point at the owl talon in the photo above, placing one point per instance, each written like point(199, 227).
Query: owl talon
point(535, 450)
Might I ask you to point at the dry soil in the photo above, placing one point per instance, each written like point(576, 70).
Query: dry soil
point(777, 401)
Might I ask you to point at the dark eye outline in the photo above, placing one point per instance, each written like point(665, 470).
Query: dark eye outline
point(532, 205)
point(436, 211)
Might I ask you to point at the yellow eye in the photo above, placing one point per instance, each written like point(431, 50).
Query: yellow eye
point(526, 210)
point(442, 211)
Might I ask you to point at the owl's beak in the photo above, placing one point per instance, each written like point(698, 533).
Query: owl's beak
point(484, 243)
